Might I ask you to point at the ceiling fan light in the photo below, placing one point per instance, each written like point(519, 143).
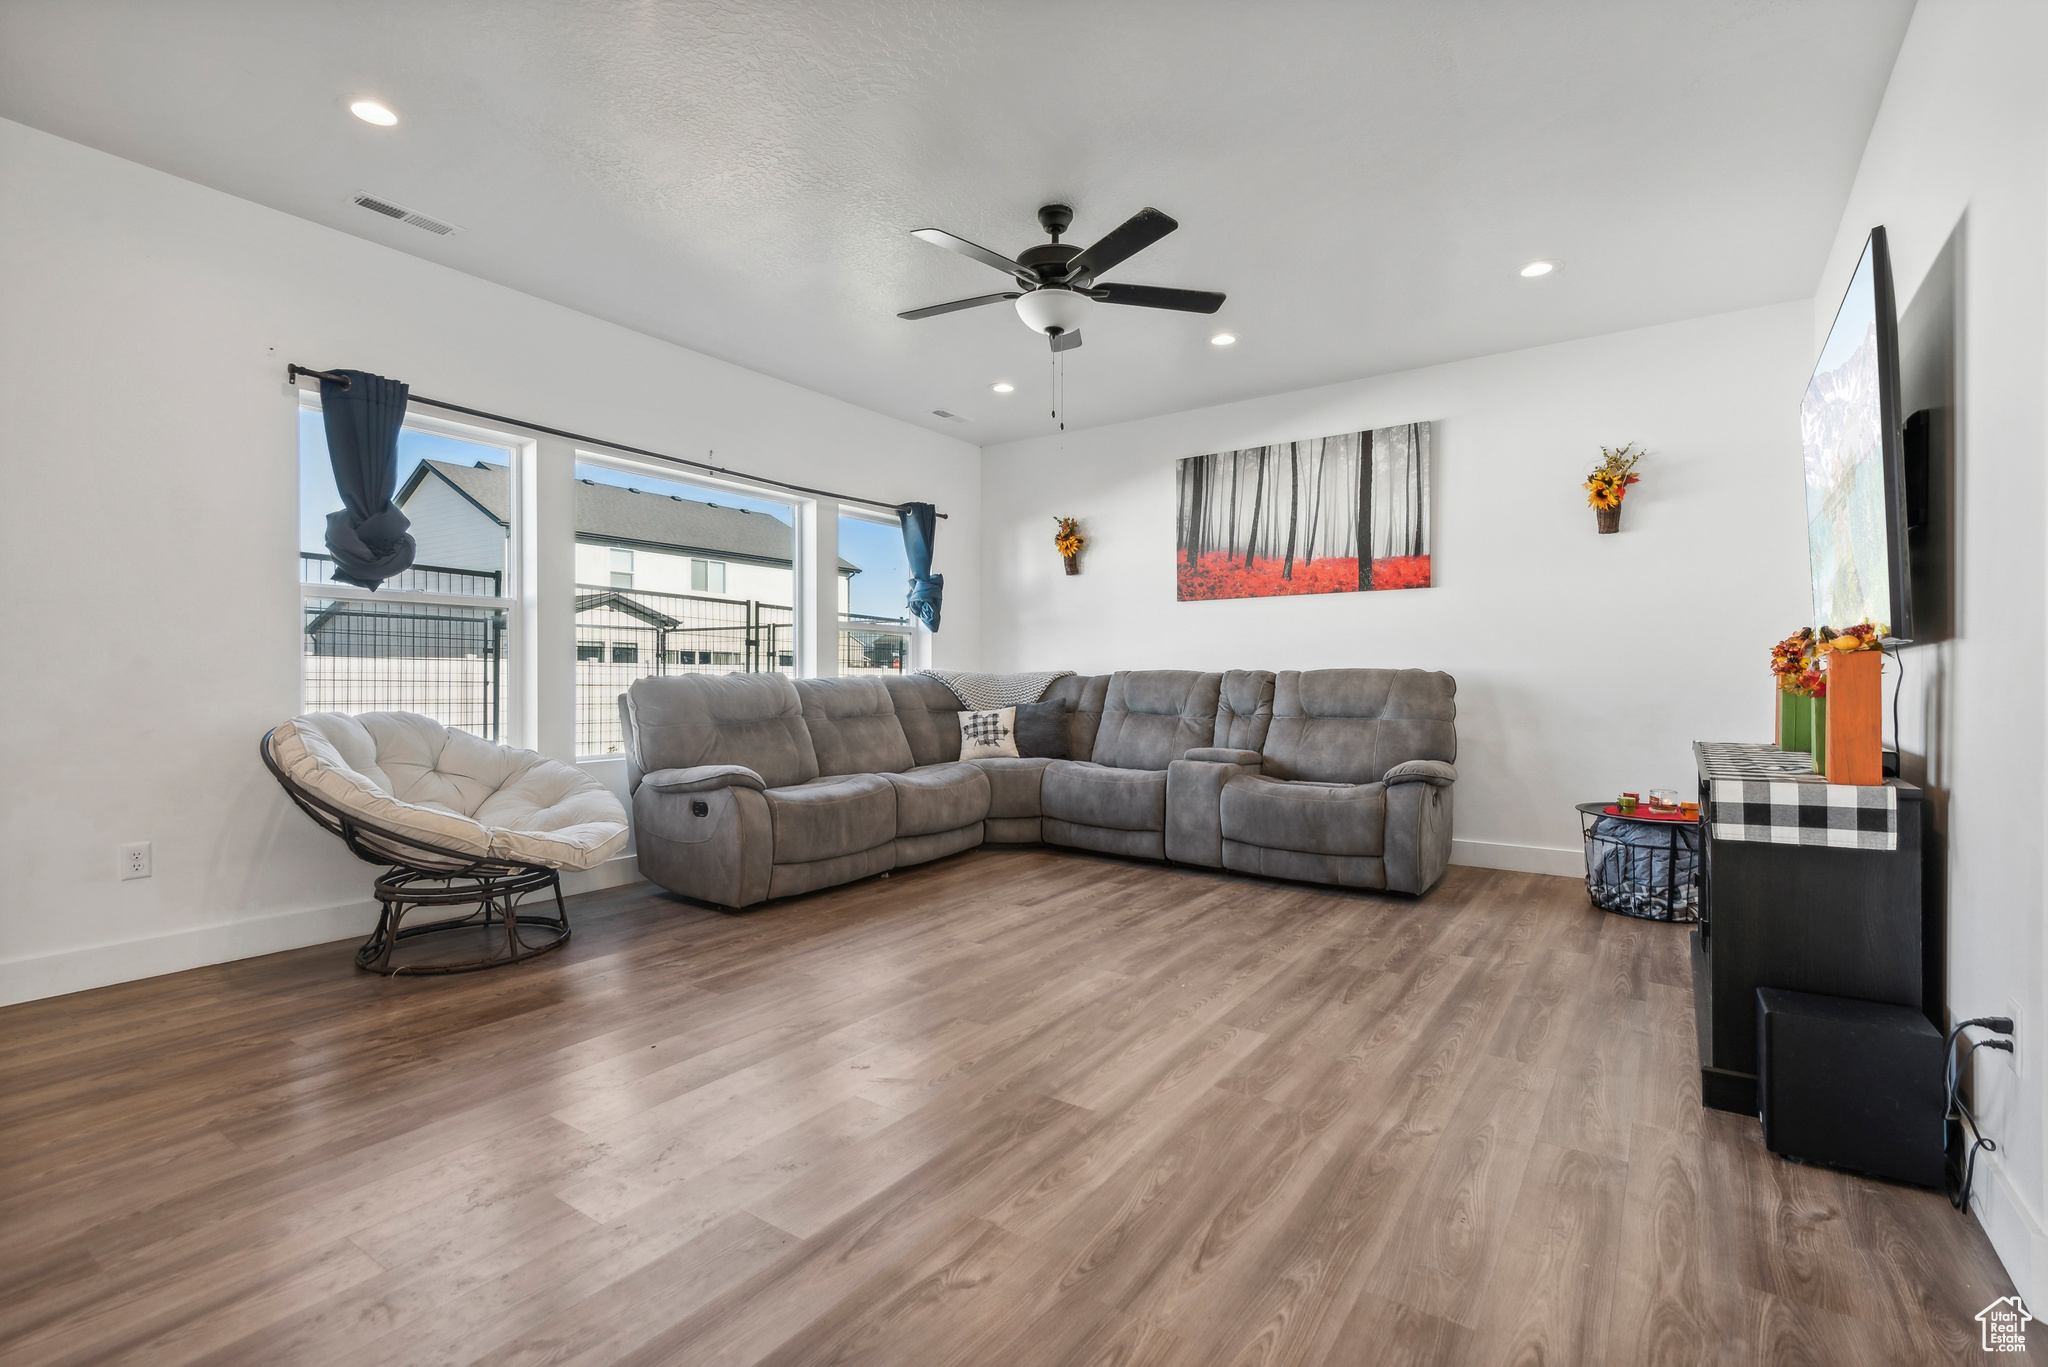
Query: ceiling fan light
point(1222, 339)
point(1003, 387)
point(1050, 308)
point(369, 111)
point(1536, 268)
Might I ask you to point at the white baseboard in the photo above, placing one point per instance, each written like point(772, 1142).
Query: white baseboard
point(150, 956)
point(612, 873)
point(2012, 1226)
point(1488, 854)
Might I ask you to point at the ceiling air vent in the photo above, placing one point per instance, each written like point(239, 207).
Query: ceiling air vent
point(949, 417)
point(405, 215)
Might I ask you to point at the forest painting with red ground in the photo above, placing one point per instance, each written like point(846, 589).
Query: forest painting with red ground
point(1303, 516)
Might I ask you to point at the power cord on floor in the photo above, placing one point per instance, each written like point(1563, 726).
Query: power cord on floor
point(1959, 1110)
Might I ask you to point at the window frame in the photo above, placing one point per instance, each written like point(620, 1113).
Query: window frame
point(628, 465)
point(520, 451)
point(920, 639)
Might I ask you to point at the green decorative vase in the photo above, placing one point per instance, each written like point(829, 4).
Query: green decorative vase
point(1803, 725)
point(1795, 722)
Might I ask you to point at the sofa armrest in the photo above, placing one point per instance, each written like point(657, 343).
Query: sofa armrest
point(1431, 771)
point(1418, 835)
point(703, 778)
point(1217, 754)
point(1194, 803)
point(716, 844)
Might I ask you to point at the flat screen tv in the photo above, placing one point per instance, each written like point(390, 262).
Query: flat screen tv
point(1855, 484)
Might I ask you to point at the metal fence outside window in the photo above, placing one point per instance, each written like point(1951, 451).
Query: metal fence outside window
point(318, 569)
point(626, 634)
point(390, 655)
point(874, 645)
point(448, 661)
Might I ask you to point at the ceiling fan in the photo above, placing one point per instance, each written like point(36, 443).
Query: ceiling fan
point(1059, 280)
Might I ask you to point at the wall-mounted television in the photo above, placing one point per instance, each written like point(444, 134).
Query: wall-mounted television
point(1855, 484)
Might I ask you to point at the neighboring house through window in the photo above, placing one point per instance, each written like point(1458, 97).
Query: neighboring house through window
point(671, 577)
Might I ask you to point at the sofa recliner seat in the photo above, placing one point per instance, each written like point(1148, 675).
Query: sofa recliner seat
point(831, 817)
point(1346, 748)
point(1344, 819)
point(1114, 801)
point(755, 786)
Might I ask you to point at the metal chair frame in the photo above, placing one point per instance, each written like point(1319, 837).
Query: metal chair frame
point(494, 887)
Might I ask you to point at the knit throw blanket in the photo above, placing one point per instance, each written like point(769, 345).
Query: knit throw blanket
point(986, 692)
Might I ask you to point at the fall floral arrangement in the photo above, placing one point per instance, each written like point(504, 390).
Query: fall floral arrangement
point(1612, 476)
point(1865, 635)
point(1796, 662)
point(1067, 538)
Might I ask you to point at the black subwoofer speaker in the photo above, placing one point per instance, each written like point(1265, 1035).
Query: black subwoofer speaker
point(1851, 1084)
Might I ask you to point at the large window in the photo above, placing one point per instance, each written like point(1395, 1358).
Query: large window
point(432, 639)
point(671, 576)
point(674, 578)
point(875, 627)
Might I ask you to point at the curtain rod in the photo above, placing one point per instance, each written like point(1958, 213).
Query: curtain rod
point(293, 372)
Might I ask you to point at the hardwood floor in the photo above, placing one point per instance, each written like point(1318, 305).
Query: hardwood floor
point(1015, 1107)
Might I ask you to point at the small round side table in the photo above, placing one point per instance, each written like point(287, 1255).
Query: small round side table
point(1642, 866)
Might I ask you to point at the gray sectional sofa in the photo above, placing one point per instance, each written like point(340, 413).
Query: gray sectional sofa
point(748, 787)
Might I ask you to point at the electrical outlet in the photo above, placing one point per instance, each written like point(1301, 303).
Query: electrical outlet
point(2017, 1058)
point(135, 860)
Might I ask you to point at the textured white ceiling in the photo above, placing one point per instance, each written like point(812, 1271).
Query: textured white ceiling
point(1364, 180)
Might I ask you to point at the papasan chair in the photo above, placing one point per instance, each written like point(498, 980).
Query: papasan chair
point(457, 821)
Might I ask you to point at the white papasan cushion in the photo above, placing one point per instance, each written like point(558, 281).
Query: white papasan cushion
point(451, 790)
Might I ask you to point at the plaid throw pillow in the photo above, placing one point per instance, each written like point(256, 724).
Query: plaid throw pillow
point(989, 735)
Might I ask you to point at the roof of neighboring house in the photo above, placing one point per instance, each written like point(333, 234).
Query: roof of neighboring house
point(631, 517)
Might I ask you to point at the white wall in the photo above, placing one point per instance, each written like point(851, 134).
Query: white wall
point(1957, 172)
point(1586, 664)
point(144, 411)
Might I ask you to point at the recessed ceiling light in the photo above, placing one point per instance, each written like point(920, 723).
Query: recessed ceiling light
point(369, 111)
point(1536, 268)
point(1222, 339)
point(1003, 387)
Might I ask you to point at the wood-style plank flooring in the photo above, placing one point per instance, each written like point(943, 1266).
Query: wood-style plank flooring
point(1016, 1107)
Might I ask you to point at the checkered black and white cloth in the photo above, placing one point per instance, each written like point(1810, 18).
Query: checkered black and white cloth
point(1765, 795)
point(1734, 759)
point(987, 692)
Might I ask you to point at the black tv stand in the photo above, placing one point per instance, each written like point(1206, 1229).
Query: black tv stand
point(1842, 922)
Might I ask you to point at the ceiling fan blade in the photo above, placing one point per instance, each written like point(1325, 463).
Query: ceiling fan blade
point(935, 310)
point(1067, 341)
point(1158, 297)
point(939, 237)
point(1138, 232)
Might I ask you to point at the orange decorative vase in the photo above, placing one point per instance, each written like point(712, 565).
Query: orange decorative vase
point(1855, 718)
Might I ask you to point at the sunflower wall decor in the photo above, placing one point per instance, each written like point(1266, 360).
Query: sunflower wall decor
point(1608, 484)
point(1068, 541)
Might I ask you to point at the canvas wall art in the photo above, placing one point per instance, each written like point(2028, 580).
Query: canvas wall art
point(1338, 514)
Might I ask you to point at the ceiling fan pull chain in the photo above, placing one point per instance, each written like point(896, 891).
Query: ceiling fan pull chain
point(1059, 389)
